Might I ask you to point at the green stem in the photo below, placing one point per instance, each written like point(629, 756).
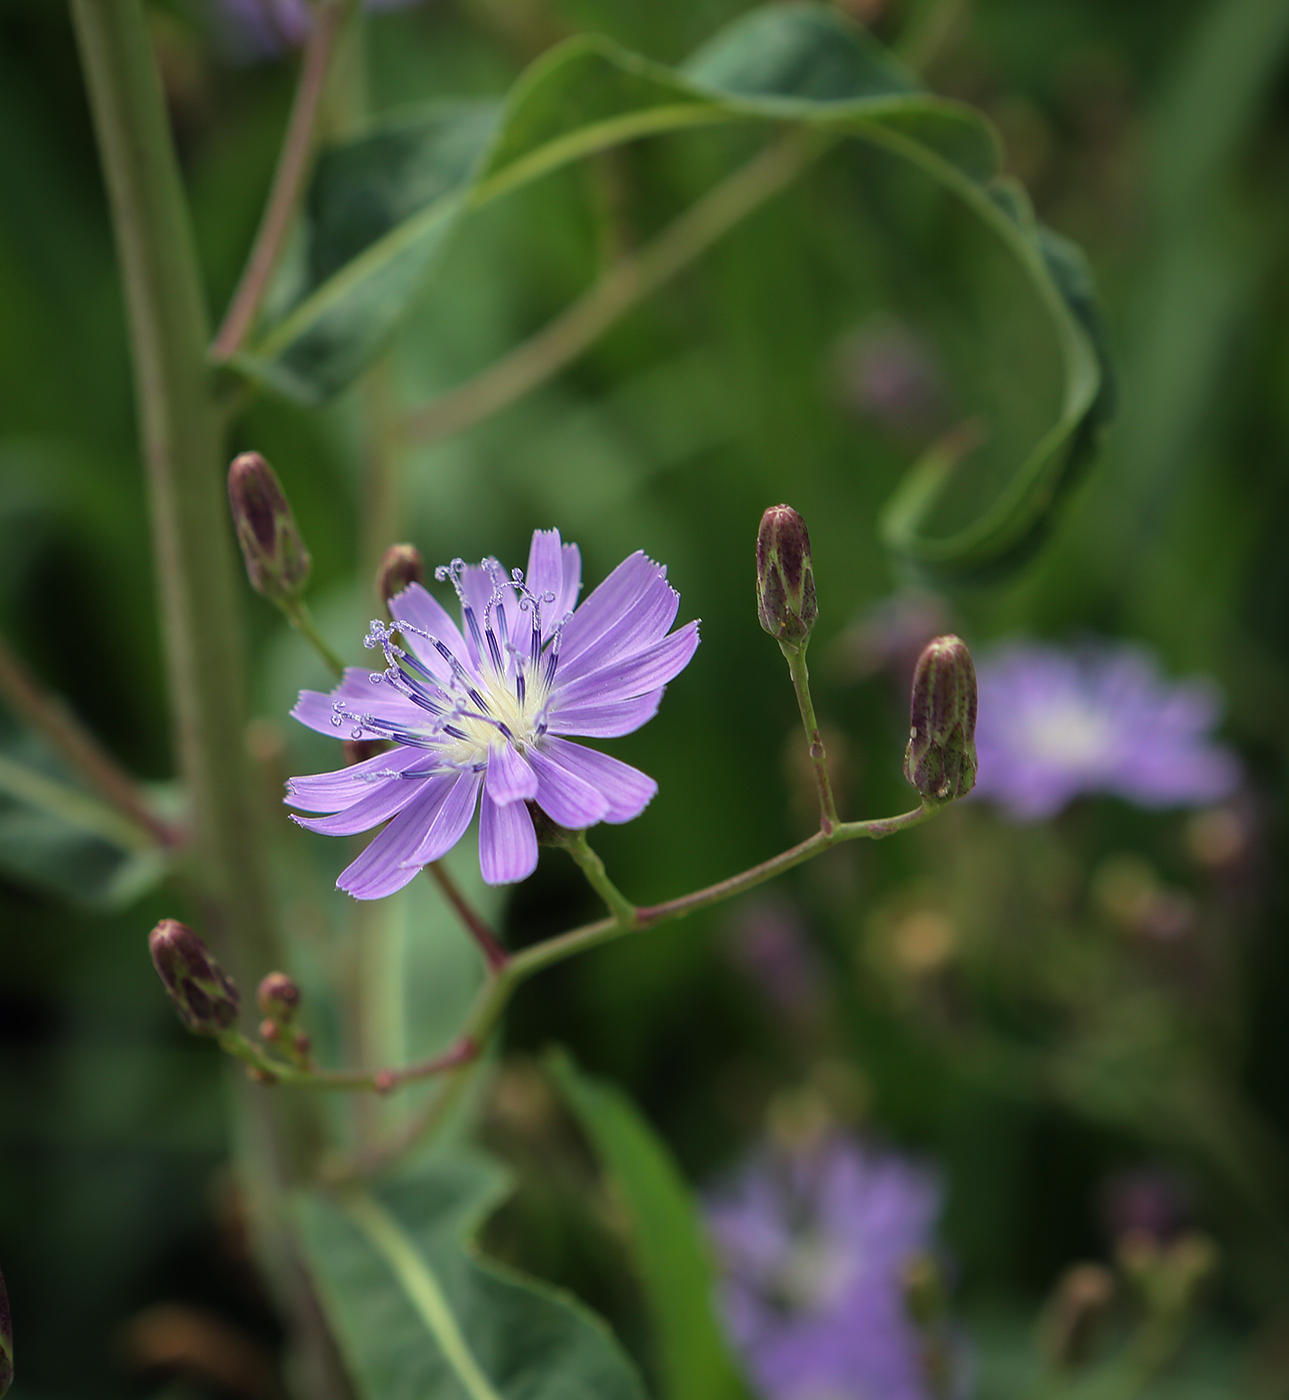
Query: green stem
point(616, 292)
point(287, 189)
point(299, 616)
point(623, 911)
point(75, 808)
point(489, 944)
point(77, 747)
point(796, 659)
point(627, 918)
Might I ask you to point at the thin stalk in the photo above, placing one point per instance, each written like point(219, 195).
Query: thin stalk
point(298, 615)
point(623, 911)
point(495, 994)
point(796, 659)
point(76, 808)
point(78, 748)
point(294, 163)
point(619, 289)
point(489, 944)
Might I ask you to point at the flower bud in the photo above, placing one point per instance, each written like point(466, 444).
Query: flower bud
point(940, 760)
point(400, 565)
point(1075, 1315)
point(203, 994)
point(278, 997)
point(277, 563)
point(6, 1341)
point(785, 579)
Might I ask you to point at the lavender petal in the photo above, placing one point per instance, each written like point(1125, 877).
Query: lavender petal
point(449, 823)
point(383, 867)
point(645, 622)
point(606, 721)
point(626, 790)
point(607, 603)
point(507, 842)
point(419, 608)
point(554, 567)
point(333, 792)
point(644, 672)
point(358, 693)
point(564, 796)
point(377, 806)
point(509, 777)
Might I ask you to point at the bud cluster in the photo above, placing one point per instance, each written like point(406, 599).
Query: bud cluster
point(785, 579)
point(277, 562)
point(202, 992)
point(279, 1001)
point(940, 760)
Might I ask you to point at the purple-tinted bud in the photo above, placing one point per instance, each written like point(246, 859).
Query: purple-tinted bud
point(785, 579)
point(277, 563)
point(1075, 1315)
point(940, 760)
point(400, 565)
point(202, 993)
point(278, 997)
point(6, 1340)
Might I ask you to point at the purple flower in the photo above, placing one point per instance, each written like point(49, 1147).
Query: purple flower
point(814, 1245)
point(1054, 723)
point(265, 28)
point(482, 715)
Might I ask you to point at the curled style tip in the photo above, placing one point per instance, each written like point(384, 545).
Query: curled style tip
point(202, 992)
point(940, 760)
point(785, 580)
point(277, 562)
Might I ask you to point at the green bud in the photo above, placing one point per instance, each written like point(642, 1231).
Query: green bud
point(940, 760)
point(277, 563)
point(6, 1340)
point(785, 579)
point(400, 565)
point(1075, 1315)
point(279, 997)
point(203, 994)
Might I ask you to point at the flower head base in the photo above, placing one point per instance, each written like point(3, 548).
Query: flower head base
point(1055, 723)
point(815, 1242)
point(479, 714)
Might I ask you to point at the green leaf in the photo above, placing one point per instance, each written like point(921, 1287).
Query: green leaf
point(383, 206)
point(666, 1234)
point(420, 1317)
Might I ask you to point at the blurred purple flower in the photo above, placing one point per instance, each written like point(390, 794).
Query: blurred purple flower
point(1054, 723)
point(814, 1245)
point(886, 373)
point(480, 715)
point(769, 942)
point(266, 28)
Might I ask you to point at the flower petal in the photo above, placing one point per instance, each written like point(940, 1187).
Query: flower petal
point(417, 606)
point(608, 720)
point(607, 603)
point(377, 806)
point(384, 866)
point(359, 693)
point(564, 795)
point(509, 778)
point(507, 842)
point(639, 627)
point(554, 567)
point(450, 821)
point(626, 790)
point(333, 792)
point(478, 584)
point(651, 668)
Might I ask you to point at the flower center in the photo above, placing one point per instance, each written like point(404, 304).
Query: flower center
point(1068, 735)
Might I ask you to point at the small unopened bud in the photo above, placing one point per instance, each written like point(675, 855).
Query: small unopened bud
point(940, 760)
point(277, 563)
point(202, 992)
point(360, 750)
point(6, 1340)
point(1075, 1314)
point(400, 565)
point(785, 578)
point(278, 997)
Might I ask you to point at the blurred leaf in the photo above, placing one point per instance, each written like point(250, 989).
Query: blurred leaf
point(417, 1314)
point(667, 1237)
point(383, 205)
point(64, 841)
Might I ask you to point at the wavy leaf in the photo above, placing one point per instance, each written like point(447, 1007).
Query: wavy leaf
point(420, 1317)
